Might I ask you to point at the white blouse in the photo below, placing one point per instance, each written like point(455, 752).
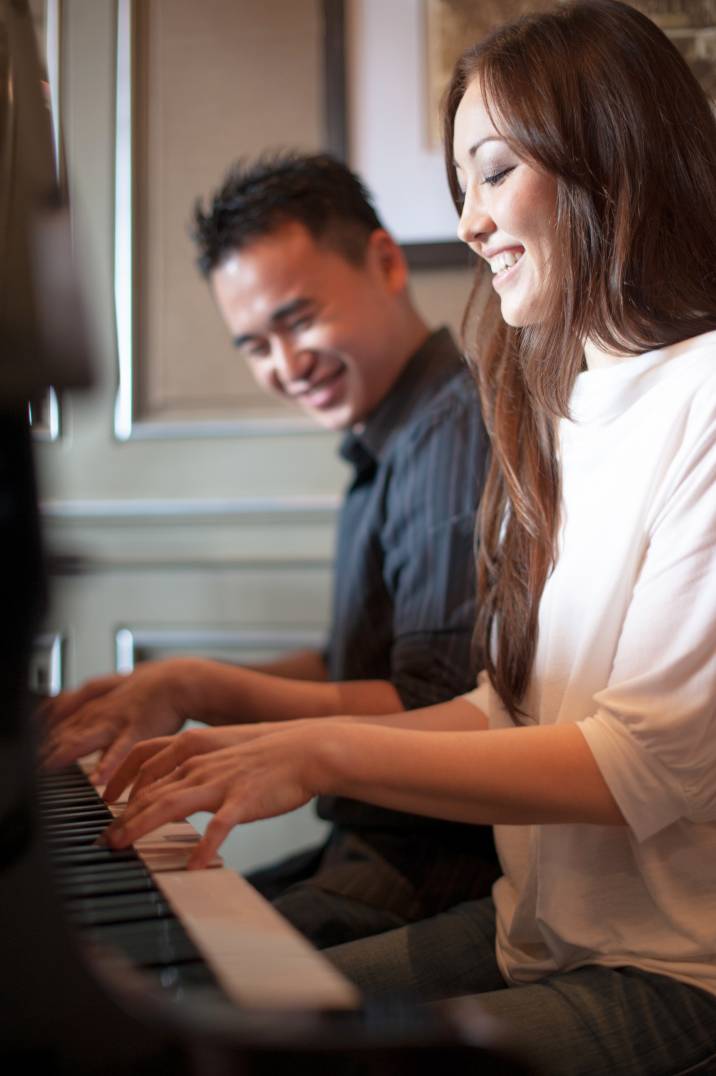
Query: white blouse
point(627, 649)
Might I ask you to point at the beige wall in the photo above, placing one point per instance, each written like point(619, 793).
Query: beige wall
point(219, 80)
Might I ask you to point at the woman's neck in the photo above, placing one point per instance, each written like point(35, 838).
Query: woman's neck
point(597, 358)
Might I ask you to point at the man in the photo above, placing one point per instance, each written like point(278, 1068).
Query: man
point(314, 292)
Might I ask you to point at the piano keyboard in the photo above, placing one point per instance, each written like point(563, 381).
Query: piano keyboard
point(187, 930)
point(111, 896)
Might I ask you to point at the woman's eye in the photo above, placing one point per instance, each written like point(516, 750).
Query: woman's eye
point(496, 178)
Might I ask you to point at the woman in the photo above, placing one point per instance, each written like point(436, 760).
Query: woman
point(582, 158)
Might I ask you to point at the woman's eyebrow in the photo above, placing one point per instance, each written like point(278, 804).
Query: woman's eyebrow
point(475, 147)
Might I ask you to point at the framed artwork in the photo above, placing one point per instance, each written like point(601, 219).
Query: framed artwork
point(376, 112)
point(453, 25)
point(386, 69)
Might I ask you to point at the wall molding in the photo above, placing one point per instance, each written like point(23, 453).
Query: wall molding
point(129, 641)
point(46, 663)
point(321, 506)
point(161, 563)
point(127, 428)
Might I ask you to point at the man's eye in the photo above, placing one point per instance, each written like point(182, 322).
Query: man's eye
point(496, 178)
point(258, 350)
point(304, 322)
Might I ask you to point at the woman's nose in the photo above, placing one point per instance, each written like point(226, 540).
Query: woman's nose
point(475, 222)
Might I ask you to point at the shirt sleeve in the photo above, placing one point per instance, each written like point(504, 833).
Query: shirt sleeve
point(428, 540)
point(653, 734)
point(480, 695)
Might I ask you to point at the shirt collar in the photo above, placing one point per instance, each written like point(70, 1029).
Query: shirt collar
point(435, 362)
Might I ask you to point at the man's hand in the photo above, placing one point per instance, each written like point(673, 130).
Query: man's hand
point(112, 713)
point(268, 772)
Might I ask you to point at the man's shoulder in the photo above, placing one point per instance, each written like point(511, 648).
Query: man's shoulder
point(451, 410)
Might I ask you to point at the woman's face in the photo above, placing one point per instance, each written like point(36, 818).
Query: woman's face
point(508, 215)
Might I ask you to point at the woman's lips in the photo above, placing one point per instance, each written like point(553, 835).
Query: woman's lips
point(506, 275)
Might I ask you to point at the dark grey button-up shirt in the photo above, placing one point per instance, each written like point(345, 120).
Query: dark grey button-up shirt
point(404, 604)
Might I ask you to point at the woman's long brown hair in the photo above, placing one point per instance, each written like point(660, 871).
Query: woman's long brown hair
point(595, 94)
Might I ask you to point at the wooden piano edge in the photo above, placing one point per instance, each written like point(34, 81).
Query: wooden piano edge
point(260, 960)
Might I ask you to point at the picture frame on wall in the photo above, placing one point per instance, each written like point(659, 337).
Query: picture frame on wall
point(376, 112)
point(387, 66)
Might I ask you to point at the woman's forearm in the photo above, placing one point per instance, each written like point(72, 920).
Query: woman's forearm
point(504, 776)
point(456, 715)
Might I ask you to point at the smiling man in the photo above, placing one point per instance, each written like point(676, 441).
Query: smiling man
point(299, 312)
point(314, 292)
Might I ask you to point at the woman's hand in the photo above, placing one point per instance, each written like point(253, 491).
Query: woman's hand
point(275, 770)
point(155, 759)
point(112, 713)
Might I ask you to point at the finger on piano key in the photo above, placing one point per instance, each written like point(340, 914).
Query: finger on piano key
point(126, 773)
point(258, 958)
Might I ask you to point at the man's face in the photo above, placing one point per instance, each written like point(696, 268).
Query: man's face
point(314, 328)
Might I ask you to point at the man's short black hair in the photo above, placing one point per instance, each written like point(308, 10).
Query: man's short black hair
point(257, 198)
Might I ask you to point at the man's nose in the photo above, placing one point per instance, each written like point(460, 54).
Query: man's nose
point(291, 363)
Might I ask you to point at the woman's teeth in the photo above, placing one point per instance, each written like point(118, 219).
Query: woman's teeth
point(505, 260)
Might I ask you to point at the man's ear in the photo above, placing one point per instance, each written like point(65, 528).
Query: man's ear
point(386, 257)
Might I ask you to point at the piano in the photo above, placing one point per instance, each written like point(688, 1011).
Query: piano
point(119, 963)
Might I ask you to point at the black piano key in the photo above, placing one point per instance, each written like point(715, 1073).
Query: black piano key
point(95, 854)
point(62, 778)
point(110, 888)
point(69, 839)
point(90, 815)
point(97, 824)
point(127, 908)
point(69, 797)
point(103, 870)
point(148, 944)
point(63, 813)
point(50, 789)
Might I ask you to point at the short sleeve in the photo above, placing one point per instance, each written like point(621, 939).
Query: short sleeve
point(653, 733)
